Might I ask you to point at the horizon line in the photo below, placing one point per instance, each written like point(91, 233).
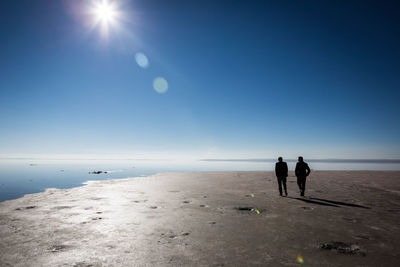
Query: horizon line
point(324, 160)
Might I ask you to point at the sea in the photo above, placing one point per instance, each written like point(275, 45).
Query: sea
point(25, 176)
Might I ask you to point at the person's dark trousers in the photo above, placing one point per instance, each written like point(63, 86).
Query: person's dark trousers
point(282, 180)
point(301, 182)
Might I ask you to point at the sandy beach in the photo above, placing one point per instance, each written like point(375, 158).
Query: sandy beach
point(348, 218)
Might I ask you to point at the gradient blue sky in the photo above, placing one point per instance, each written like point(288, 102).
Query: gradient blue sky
point(247, 79)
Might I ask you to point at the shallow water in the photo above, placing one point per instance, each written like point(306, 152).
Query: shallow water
point(20, 177)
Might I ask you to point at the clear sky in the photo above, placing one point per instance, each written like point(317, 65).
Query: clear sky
point(246, 79)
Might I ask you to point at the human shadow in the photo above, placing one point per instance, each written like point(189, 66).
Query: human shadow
point(315, 202)
point(340, 203)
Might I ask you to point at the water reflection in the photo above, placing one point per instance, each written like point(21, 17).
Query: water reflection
point(19, 177)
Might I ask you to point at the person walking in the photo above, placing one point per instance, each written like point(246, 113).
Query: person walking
point(302, 171)
point(281, 171)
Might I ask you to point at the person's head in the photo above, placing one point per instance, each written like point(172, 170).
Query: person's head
point(301, 159)
point(280, 159)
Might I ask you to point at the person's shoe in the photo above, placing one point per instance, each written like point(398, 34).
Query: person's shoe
point(302, 194)
point(286, 193)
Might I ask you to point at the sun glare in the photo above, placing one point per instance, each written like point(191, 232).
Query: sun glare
point(105, 16)
point(105, 12)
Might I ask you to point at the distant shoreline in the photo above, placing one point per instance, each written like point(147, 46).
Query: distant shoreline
point(313, 160)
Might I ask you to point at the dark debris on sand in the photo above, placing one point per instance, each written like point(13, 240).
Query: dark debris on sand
point(343, 248)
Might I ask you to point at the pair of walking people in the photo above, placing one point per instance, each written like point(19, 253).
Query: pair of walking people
point(302, 171)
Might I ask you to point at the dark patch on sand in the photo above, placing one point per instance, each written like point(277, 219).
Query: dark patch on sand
point(140, 201)
point(248, 210)
point(342, 247)
point(244, 208)
point(394, 211)
point(26, 208)
point(58, 248)
point(362, 237)
point(349, 220)
point(84, 264)
point(95, 198)
point(62, 207)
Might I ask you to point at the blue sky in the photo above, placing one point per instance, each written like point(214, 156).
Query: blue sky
point(246, 79)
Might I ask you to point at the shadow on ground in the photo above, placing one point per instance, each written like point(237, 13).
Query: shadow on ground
point(330, 203)
point(341, 203)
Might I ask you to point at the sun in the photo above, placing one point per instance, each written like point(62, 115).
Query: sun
point(105, 12)
point(106, 16)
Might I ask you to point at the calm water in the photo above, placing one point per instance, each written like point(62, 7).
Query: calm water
point(20, 177)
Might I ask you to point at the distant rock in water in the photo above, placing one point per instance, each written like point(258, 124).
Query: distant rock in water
point(98, 172)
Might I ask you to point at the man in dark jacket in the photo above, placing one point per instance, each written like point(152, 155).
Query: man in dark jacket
point(281, 171)
point(302, 171)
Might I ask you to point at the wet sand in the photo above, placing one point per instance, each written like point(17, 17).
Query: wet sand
point(208, 219)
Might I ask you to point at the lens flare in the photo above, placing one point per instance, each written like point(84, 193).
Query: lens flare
point(300, 259)
point(142, 60)
point(160, 85)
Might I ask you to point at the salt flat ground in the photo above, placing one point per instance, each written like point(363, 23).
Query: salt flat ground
point(208, 219)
